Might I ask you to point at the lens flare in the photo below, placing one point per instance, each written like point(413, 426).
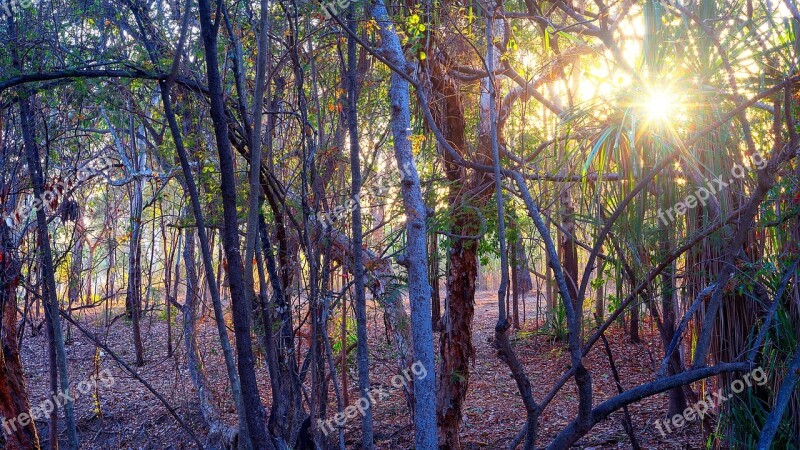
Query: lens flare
point(660, 106)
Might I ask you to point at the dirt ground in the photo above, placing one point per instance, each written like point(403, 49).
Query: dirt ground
point(130, 417)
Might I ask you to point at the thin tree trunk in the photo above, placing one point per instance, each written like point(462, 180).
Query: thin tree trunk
point(488, 136)
point(90, 275)
point(599, 306)
point(219, 435)
point(168, 298)
point(48, 268)
point(255, 415)
point(436, 307)
point(360, 300)
point(205, 247)
point(550, 300)
point(515, 284)
point(677, 398)
point(133, 299)
point(345, 384)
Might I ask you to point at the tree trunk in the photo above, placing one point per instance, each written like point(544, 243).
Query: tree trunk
point(168, 297)
point(255, 415)
point(219, 434)
point(550, 300)
point(416, 259)
point(75, 269)
point(634, 323)
point(465, 195)
point(359, 298)
point(515, 284)
point(133, 299)
point(569, 251)
point(677, 398)
point(13, 390)
point(48, 271)
point(599, 298)
point(436, 307)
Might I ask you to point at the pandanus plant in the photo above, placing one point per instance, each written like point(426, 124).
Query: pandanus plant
point(691, 75)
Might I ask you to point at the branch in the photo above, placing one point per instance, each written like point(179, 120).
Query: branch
point(575, 430)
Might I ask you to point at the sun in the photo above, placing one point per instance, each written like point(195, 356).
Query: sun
point(661, 105)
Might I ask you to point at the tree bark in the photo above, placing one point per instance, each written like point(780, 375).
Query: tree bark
point(677, 398)
point(133, 299)
point(416, 259)
point(255, 415)
point(13, 390)
point(359, 298)
point(219, 434)
point(48, 272)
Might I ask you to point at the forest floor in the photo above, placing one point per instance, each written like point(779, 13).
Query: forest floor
point(130, 417)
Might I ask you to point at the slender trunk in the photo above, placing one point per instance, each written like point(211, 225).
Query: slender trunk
point(416, 258)
point(488, 137)
point(75, 269)
point(90, 275)
point(677, 398)
point(74, 279)
point(286, 411)
point(133, 300)
point(345, 383)
point(255, 415)
point(286, 406)
point(549, 280)
point(219, 435)
point(599, 306)
point(168, 298)
point(52, 360)
point(48, 271)
point(436, 307)
point(515, 284)
point(360, 300)
point(569, 251)
point(634, 323)
point(254, 199)
point(57, 351)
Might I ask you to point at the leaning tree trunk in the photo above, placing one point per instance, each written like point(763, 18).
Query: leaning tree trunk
point(219, 434)
point(57, 351)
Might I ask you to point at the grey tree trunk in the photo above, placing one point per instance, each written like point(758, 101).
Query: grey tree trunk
point(133, 299)
point(358, 260)
point(416, 258)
